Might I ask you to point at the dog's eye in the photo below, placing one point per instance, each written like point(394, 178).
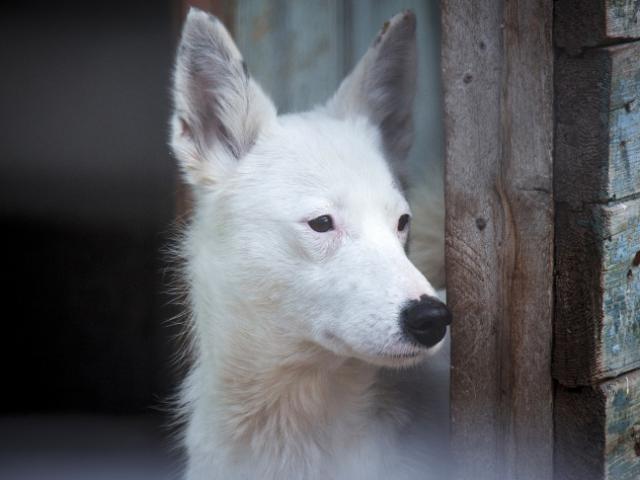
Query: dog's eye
point(322, 224)
point(403, 222)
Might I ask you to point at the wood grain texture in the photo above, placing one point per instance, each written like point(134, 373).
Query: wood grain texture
point(597, 325)
point(497, 76)
point(598, 125)
point(598, 430)
point(587, 23)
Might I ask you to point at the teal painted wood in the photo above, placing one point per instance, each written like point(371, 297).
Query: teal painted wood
point(598, 430)
point(587, 23)
point(598, 125)
point(622, 445)
point(622, 19)
point(624, 121)
point(597, 292)
point(621, 287)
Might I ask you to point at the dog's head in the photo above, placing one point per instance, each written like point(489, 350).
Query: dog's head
point(300, 225)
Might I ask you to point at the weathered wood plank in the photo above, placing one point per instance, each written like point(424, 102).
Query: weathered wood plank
point(587, 23)
point(598, 125)
point(597, 331)
point(598, 430)
point(497, 75)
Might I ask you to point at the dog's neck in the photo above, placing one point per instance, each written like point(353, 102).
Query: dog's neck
point(280, 398)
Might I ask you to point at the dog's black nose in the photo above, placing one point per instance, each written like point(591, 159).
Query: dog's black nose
point(426, 320)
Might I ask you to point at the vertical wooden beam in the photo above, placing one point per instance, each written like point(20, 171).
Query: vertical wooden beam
point(497, 73)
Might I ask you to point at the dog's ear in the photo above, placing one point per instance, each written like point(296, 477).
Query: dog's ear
point(382, 87)
point(219, 109)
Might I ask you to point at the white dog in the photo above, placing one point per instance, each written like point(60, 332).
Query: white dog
point(306, 311)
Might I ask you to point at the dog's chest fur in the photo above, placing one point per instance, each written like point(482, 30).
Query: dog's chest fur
point(352, 422)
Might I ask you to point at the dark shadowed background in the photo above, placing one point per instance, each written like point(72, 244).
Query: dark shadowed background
point(88, 199)
point(86, 196)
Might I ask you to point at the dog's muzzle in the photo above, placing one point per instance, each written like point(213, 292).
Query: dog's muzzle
point(425, 321)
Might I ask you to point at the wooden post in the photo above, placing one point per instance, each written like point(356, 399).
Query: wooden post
point(597, 193)
point(497, 73)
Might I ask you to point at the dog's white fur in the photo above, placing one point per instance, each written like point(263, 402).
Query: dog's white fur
point(294, 330)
